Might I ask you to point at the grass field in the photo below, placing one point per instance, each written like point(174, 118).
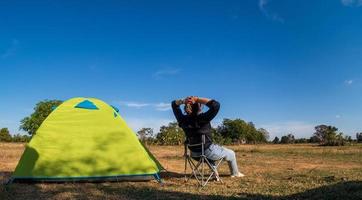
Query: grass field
point(272, 172)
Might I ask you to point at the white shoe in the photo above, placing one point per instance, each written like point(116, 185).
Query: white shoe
point(239, 175)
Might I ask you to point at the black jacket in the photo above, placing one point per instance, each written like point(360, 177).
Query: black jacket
point(195, 126)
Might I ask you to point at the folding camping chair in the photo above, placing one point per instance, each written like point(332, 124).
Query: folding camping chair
point(198, 164)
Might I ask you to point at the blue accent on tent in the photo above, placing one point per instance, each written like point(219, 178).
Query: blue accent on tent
point(86, 104)
point(115, 108)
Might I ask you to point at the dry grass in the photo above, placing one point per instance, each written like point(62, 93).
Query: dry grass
point(273, 172)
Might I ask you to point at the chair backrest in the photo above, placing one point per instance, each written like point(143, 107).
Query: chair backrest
point(202, 144)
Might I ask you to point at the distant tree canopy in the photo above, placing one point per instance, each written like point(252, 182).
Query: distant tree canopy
point(42, 109)
point(146, 135)
point(287, 139)
point(328, 135)
point(276, 140)
point(5, 135)
point(314, 139)
point(238, 131)
point(171, 134)
point(359, 137)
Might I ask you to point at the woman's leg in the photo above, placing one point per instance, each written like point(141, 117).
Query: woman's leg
point(216, 152)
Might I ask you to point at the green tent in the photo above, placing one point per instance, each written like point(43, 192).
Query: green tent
point(85, 139)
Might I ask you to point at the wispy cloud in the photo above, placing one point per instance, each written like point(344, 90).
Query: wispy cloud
point(166, 72)
point(162, 106)
point(132, 104)
point(298, 128)
point(138, 105)
point(348, 82)
point(137, 123)
point(11, 49)
point(356, 3)
point(338, 116)
point(263, 7)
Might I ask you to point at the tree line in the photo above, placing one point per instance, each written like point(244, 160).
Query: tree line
point(324, 135)
point(230, 131)
point(237, 131)
point(5, 136)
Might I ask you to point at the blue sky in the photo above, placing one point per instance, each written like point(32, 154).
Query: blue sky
point(285, 65)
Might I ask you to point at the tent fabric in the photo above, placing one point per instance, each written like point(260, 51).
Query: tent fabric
point(77, 144)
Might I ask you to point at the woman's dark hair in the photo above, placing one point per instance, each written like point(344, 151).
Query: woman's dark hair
point(195, 108)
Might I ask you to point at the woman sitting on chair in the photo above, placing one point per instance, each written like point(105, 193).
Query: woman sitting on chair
point(195, 124)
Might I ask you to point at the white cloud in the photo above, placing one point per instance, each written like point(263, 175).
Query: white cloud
point(348, 82)
point(137, 123)
point(163, 106)
point(165, 72)
point(11, 50)
point(263, 4)
point(352, 2)
point(338, 116)
point(298, 128)
point(138, 105)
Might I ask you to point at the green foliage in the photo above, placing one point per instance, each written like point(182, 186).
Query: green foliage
point(5, 135)
point(146, 135)
point(219, 139)
point(238, 131)
point(42, 109)
point(314, 139)
point(171, 134)
point(301, 141)
point(21, 138)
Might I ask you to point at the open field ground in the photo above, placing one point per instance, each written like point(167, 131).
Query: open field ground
point(272, 172)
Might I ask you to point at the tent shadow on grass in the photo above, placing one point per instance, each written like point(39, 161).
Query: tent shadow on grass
point(351, 190)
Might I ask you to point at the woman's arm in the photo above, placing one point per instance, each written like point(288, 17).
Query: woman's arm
point(213, 106)
point(177, 110)
point(193, 99)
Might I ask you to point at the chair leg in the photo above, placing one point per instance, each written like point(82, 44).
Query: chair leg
point(198, 173)
point(195, 170)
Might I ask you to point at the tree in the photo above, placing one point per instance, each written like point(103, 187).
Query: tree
point(145, 134)
point(5, 135)
point(21, 138)
point(238, 131)
point(171, 134)
point(276, 140)
point(287, 139)
point(265, 133)
point(328, 135)
point(325, 133)
point(218, 138)
point(359, 137)
point(42, 109)
point(314, 139)
point(301, 140)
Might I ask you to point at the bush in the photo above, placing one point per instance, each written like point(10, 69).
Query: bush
point(287, 139)
point(21, 138)
point(5, 135)
point(276, 140)
point(328, 136)
point(359, 137)
point(171, 134)
point(238, 131)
